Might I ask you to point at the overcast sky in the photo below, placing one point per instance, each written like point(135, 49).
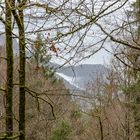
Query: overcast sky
point(99, 58)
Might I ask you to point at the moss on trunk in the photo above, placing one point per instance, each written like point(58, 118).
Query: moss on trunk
point(9, 84)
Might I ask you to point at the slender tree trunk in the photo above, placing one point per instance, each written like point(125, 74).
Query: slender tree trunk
point(22, 89)
point(9, 85)
point(101, 129)
point(19, 17)
point(138, 18)
point(22, 78)
point(137, 98)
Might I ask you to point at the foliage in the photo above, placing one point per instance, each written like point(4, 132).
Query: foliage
point(76, 114)
point(62, 132)
point(40, 52)
point(41, 56)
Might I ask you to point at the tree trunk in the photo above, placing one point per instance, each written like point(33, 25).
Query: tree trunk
point(19, 17)
point(137, 98)
point(137, 7)
point(22, 78)
point(9, 84)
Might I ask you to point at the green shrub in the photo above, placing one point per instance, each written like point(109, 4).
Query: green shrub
point(62, 132)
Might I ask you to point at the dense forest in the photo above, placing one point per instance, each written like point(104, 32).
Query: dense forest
point(46, 90)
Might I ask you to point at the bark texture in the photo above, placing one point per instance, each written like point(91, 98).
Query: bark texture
point(9, 84)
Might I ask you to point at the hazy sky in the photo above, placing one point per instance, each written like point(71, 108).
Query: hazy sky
point(102, 57)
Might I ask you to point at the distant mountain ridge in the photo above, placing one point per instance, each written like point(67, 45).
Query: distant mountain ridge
point(79, 77)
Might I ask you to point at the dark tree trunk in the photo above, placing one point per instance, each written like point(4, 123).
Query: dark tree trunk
point(9, 84)
point(22, 78)
point(19, 17)
point(137, 98)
